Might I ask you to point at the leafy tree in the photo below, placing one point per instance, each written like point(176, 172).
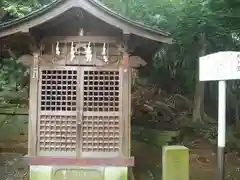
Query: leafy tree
point(198, 27)
point(11, 9)
point(14, 78)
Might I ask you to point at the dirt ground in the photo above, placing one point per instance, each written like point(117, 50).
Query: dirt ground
point(148, 159)
point(202, 161)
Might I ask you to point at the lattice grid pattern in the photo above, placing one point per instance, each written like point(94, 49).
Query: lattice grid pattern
point(58, 90)
point(57, 133)
point(101, 91)
point(100, 134)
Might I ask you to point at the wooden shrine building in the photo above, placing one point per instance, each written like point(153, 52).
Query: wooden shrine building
point(81, 55)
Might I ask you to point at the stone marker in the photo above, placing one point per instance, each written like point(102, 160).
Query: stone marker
point(175, 163)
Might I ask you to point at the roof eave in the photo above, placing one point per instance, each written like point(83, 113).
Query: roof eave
point(92, 7)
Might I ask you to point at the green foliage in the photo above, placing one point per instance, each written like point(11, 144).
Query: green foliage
point(187, 21)
point(12, 126)
point(14, 78)
point(153, 137)
point(13, 95)
point(16, 10)
point(19, 8)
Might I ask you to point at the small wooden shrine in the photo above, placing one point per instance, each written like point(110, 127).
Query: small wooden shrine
point(81, 55)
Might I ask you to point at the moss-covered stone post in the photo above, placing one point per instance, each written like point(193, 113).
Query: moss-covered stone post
point(175, 163)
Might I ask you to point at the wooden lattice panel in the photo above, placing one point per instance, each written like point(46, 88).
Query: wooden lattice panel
point(57, 133)
point(58, 90)
point(100, 134)
point(101, 91)
point(80, 112)
point(57, 127)
point(101, 106)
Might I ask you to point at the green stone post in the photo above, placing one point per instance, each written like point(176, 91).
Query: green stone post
point(175, 163)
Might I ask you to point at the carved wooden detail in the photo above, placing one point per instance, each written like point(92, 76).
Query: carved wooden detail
point(84, 50)
point(81, 50)
point(46, 59)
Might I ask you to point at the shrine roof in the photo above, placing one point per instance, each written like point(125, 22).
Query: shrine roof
point(93, 7)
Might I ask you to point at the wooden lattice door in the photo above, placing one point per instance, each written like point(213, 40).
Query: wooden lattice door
point(101, 112)
point(80, 110)
point(57, 124)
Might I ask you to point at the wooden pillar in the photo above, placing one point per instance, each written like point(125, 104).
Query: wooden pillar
point(33, 107)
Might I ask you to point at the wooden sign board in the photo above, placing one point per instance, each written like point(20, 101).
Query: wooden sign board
point(220, 66)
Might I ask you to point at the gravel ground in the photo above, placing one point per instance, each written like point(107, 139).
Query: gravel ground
point(12, 166)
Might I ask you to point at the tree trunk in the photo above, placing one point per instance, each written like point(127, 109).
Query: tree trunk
point(237, 120)
point(125, 7)
point(2, 13)
point(198, 104)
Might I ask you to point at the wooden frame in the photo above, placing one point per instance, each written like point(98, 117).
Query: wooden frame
point(51, 113)
point(62, 161)
point(33, 114)
point(93, 39)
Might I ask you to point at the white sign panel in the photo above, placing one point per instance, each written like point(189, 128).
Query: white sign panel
point(220, 66)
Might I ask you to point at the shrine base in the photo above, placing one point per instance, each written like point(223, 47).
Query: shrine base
point(38, 172)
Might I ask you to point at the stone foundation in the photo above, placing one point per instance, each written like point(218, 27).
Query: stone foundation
point(76, 173)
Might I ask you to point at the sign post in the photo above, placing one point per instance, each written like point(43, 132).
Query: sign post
point(220, 67)
point(221, 129)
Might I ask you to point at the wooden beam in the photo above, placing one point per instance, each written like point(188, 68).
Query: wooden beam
point(93, 39)
point(126, 39)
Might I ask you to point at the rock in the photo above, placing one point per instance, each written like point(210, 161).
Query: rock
point(182, 104)
point(12, 166)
